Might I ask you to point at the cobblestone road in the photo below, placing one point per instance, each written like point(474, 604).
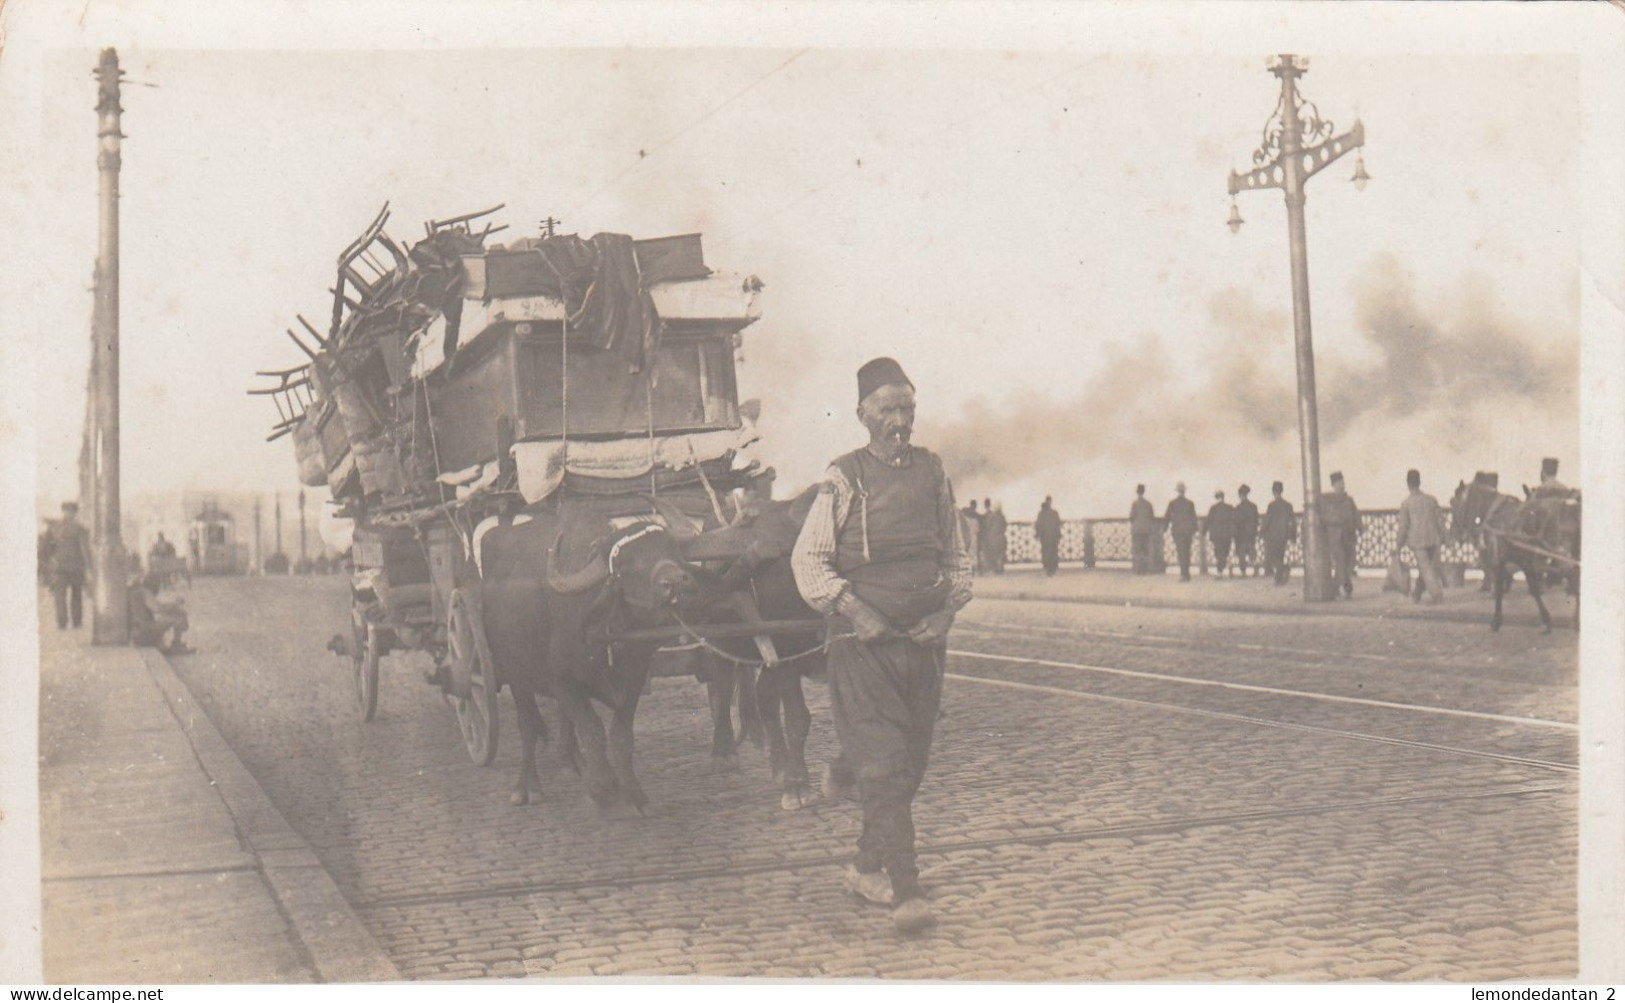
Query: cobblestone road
point(1111, 813)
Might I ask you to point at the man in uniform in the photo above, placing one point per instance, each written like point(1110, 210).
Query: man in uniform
point(881, 555)
point(1280, 527)
point(68, 556)
point(970, 529)
point(1550, 486)
point(1181, 519)
point(1421, 527)
point(1246, 530)
point(1047, 527)
point(1341, 518)
point(1142, 524)
point(1221, 530)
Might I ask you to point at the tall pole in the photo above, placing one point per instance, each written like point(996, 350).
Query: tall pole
point(301, 526)
point(279, 527)
point(259, 549)
point(1317, 563)
point(110, 616)
point(1285, 162)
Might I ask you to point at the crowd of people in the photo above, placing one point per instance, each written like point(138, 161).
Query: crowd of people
point(986, 536)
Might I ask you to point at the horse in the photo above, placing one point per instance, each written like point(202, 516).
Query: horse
point(1529, 534)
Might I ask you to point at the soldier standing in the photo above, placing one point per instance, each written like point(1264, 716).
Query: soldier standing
point(1047, 527)
point(1246, 530)
point(1142, 523)
point(995, 536)
point(881, 556)
point(970, 528)
point(1182, 523)
point(68, 556)
point(1280, 528)
point(1341, 517)
point(1421, 527)
point(1221, 530)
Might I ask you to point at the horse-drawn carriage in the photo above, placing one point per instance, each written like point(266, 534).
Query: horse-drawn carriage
point(501, 424)
point(1539, 535)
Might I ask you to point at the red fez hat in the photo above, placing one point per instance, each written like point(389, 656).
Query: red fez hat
point(877, 373)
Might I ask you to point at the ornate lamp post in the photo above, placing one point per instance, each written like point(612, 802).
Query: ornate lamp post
point(1297, 145)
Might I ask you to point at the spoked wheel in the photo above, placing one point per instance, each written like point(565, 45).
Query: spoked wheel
point(364, 663)
point(474, 682)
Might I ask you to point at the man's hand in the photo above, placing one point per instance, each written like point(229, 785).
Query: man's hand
point(869, 625)
point(933, 629)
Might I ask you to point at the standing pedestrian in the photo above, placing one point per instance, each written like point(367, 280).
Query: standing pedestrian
point(970, 529)
point(1182, 523)
point(1280, 527)
point(995, 536)
point(1221, 530)
point(1421, 528)
point(881, 556)
point(1341, 517)
point(70, 563)
point(1142, 524)
point(1246, 530)
point(1047, 527)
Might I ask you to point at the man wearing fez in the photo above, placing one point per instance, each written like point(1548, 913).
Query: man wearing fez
point(1047, 528)
point(67, 554)
point(1246, 530)
point(1181, 519)
point(1341, 517)
point(1142, 523)
point(1421, 528)
point(1279, 528)
point(1221, 530)
point(882, 557)
point(1550, 486)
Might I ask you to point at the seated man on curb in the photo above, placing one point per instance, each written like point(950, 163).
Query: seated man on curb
point(152, 616)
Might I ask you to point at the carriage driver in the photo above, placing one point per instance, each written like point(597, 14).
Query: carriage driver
point(881, 556)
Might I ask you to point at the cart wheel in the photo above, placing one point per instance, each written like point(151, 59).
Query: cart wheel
point(364, 664)
point(471, 660)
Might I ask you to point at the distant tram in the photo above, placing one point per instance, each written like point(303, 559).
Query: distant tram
point(212, 540)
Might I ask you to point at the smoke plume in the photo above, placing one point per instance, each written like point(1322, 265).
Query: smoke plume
point(1440, 373)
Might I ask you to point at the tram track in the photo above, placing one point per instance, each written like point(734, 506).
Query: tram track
point(1542, 764)
point(1081, 835)
point(1276, 691)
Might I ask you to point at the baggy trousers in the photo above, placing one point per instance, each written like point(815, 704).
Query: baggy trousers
point(885, 697)
point(1429, 574)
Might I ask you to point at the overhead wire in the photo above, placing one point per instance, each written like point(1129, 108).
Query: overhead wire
point(645, 153)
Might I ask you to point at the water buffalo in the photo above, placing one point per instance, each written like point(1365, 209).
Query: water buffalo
point(548, 614)
point(771, 702)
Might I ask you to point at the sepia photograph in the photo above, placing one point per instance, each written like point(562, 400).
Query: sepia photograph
point(1000, 492)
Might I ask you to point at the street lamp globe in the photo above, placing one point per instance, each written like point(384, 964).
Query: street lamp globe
point(1361, 178)
point(1235, 220)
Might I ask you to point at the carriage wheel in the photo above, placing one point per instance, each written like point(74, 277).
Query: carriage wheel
point(364, 664)
point(471, 660)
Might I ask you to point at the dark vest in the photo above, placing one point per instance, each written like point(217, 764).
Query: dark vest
point(892, 547)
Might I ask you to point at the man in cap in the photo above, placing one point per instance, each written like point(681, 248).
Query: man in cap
point(1341, 517)
point(1550, 486)
point(1280, 527)
point(1142, 525)
point(882, 557)
point(1246, 530)
point(1421, 528)
point(1047, 528)
point(970, 529)
point(68, 558)
point(1182, 523)
point(1221, 530)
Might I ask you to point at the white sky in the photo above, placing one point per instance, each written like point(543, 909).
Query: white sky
point(1019, 228)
